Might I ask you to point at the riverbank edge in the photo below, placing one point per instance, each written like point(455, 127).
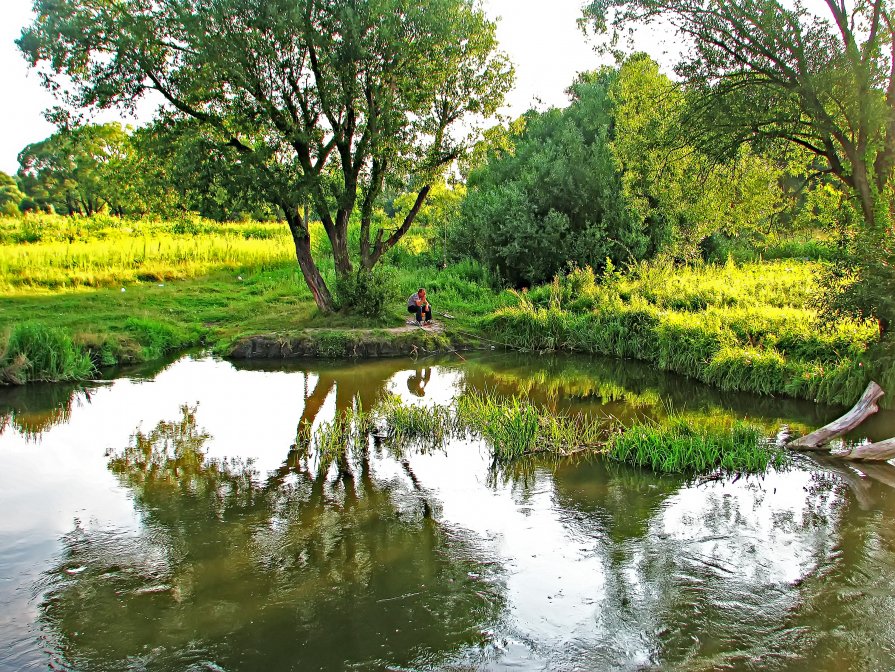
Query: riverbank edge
point(149, 341)
point(346, 344)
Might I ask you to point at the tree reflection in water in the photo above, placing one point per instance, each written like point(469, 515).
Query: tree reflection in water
point(289, 572)
point(35, 408)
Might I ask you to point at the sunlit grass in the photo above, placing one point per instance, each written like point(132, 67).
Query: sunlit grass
point(740, 328)
point(64, 253)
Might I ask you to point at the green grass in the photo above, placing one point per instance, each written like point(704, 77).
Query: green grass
point(740, 328)
point(53, 252)
point(35, 352)
point(678, 446)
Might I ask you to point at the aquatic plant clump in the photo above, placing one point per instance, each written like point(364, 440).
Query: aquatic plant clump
point(515, 427)
point(676, 446)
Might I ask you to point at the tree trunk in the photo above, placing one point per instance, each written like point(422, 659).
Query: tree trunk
point(865, 407)
point(383, 246)
point(309, 270)
point(339, 240)
point(864, 191)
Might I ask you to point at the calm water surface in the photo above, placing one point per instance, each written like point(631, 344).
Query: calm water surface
point(164, 520)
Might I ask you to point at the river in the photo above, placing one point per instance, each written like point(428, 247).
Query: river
point(167, 519)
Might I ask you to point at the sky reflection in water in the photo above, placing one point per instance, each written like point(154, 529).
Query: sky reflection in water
point(237, 555)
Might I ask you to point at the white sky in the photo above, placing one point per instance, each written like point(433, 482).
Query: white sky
point(541, 38)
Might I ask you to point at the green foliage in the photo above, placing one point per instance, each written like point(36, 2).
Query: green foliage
point(738, 328)
point(301, 103)
point(556, 198)
point(605, 178)
point(675, 445)
point(367, 293)
point(35, 352)
point(10, 196)
point(679, 192)
point(79, 170)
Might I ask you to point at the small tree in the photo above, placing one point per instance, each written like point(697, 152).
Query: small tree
point(10, 196)
point(294, 92)
point(76, 170)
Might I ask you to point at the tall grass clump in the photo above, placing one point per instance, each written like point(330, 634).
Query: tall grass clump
point(515, 427)
point(35, 352)
point(676, 446)
point(426, 427)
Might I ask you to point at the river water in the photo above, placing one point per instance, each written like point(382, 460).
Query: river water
point(162, 520)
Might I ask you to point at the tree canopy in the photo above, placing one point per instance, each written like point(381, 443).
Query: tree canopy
point(77, 170)
point(10, 195)
point(604, 178)
point(318, 101)
point(818, 77)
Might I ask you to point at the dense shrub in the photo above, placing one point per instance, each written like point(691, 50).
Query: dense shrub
point(367, 293)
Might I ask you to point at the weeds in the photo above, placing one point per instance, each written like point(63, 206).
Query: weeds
point(35, 352)
point(678, 446)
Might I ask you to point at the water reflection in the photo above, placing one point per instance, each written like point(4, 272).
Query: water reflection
point(33, 409)
point(295, 573)
point(416, 384)
point(181, 559)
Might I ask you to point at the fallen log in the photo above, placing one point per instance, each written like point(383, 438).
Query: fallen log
point(881, 451)
point(865, 407)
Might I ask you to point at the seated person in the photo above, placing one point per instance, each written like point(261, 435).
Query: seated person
point(419, 306)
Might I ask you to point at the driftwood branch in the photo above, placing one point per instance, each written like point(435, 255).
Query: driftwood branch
point(882, 451)
point(865, 407)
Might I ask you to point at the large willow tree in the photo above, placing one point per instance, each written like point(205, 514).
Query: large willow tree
point(818, 76)
point(316, 101)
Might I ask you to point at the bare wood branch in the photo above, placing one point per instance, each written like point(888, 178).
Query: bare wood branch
point(881, 451)
point(866, 406)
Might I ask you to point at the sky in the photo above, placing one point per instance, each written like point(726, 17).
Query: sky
point(542, 39)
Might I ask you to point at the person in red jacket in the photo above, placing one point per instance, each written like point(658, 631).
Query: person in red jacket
point(419, 306)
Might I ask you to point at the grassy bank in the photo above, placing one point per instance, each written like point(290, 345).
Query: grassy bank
point(737, 327)
point(129, 291)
